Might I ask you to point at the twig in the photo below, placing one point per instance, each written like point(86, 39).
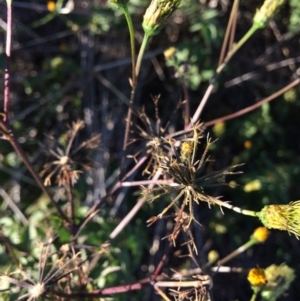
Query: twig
point(255, 106)
point(10, 137)
point(7, 67)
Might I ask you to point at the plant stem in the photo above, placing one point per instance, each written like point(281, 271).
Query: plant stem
point(253, 298)
point(238, 251)
point(236, 209)
point(10, 137)
point(7, 67)
point(254, 106)
point(132, 43)
point(136, 71)
point(237, 46)
point(230, 31)
point(230, 54)
point(141, 53)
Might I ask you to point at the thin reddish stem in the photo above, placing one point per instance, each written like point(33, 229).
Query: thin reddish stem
point(102, 292)
point(255, 106)
point(162, 262)
point(7, 67)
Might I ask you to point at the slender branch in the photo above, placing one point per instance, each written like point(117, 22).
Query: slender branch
point(148, 182)
point(237, 46)
point(162, 262)
point(102, 292)
point(235, 253)
point(230, 54)
point(141, 53)
point(202, 105)
point(10, 137)
point(233, 25)
point(7, 67)
point(69, 191)
point(230, 29)
point(253, 298)
point(132, 43)
point(255, 106)
point(133, 211)
point(236, 209)
point(92, 211)
point(134, 85)
point(186, 108)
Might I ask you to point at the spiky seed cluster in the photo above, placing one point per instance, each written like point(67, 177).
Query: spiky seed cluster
point(189, 175)
point(279, 279)
point(67, 157)
point(156, 15)
point(153, 135)
point(257, 277)
point(282, 217)
point(156, 137)
point(267, 10)
point(36, 289)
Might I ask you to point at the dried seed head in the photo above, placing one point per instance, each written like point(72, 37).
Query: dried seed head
point(37, 290)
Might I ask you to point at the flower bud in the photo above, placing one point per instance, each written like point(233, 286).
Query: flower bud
point(158, 12)
point(260, 234)
point(282, 217)
point(264, 14)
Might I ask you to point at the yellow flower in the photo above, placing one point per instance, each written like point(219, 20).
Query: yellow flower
point(51, 6)
point(252, 186)
point(186, 150)
point(247, 144)
point(257, 277)
point(219, 128)
point(282, 217)
point(169, 53)
point(260, 234)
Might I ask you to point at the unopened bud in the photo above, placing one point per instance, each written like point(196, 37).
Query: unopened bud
point(267, 10)
point(158, 12)
point(282, 217)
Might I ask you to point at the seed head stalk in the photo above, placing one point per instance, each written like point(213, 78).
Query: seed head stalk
point(132, 43)
point(236, 209)
point(141, 53)
point(124, 7)
point(135, 73)
point(237, 46)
